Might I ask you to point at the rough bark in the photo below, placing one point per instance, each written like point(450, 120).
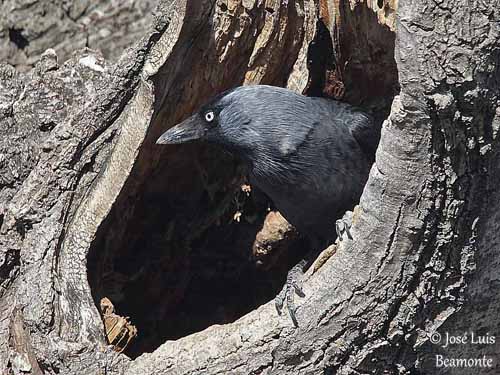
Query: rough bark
point(28, 28)
point(78, 164)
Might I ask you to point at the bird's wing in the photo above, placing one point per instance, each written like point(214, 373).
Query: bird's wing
point(301, 134)
point(291, 144)
point(361, 125)
point(364, 131)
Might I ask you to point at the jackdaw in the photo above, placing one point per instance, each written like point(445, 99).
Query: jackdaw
point(310, 155)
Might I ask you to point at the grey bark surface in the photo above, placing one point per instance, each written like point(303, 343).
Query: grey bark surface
point(28, 28)
point(426, 246)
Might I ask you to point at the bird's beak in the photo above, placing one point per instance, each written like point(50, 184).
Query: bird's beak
point(188, 130)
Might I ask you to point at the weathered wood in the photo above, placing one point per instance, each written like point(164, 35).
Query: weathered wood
point(28, 28)
point(65, 121)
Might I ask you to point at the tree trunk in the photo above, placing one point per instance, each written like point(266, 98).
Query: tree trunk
point(28, 28)
point(118, 256)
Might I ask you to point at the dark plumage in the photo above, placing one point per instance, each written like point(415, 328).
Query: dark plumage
point(311, 156)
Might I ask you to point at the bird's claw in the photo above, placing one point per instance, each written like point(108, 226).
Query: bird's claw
point(343, 226)
point(293, 285)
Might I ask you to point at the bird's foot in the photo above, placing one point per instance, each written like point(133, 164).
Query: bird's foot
point(294, 282)
point(342, 226)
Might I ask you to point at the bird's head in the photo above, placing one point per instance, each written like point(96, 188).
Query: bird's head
point(251, 121)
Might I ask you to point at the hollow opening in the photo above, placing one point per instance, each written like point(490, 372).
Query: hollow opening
point(177, 252)
point(180, 258)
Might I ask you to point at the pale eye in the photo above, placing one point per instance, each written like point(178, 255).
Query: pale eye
point(209, 116)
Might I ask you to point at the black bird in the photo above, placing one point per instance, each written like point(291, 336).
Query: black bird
point(311, 156)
